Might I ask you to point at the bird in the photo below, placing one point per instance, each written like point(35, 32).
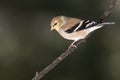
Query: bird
point(74, 28)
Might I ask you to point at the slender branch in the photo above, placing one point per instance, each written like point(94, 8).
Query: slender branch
point(71, 49)
point(57, 61)
point(107, 11)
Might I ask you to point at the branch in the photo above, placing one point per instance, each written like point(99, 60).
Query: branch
point(107, 11)
point(71, 49)
point(38, 76)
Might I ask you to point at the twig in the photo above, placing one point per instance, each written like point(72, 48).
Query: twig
point(57, 61)
point(107, 11)
point(70, 49)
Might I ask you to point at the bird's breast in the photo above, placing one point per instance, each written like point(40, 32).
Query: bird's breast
point(74, 35)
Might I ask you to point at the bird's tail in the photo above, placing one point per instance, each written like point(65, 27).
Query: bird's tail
point(100, 25)
point(107, 23)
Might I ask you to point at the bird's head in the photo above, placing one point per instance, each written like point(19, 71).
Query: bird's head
point(57, 22)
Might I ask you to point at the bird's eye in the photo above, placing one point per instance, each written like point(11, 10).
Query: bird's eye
point(55, 24)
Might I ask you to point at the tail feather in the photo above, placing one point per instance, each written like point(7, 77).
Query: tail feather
point(93, 28)
point(105, 23)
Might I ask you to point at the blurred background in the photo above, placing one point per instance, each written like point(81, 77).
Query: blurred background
point(27, 45)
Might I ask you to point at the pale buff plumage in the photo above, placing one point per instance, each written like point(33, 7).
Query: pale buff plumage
point(63, 23)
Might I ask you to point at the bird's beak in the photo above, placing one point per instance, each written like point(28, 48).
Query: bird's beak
point(52, 28)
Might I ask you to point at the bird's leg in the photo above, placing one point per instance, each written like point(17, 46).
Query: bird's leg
point(73, 44)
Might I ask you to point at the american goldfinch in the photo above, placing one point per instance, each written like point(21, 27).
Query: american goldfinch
point(73, 28)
